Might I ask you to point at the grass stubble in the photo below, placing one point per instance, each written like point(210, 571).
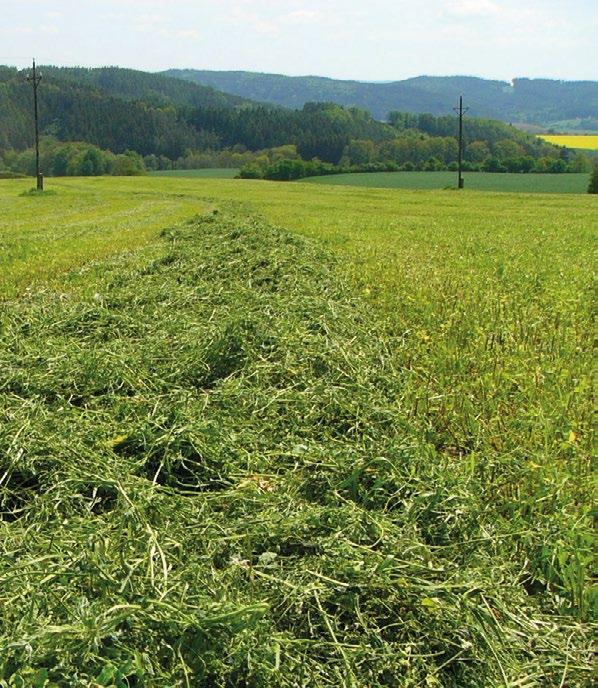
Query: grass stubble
point(220, 466)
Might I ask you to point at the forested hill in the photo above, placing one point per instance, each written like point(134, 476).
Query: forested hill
point(120, 109)
point(155, 89)
point(535, 101)
point(171, 122)
point(74, 111)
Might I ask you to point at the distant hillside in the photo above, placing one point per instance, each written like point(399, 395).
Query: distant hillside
point(156, 89)
point(122, 110)
point(535, 101)
point(74, 111)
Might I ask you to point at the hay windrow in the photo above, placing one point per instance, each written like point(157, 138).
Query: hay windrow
point(207, 478)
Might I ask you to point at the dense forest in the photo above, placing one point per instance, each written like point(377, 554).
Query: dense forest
point(565, 104)
point(321, 130)
point(427, 143)
point(78, 111)
point(89, 105)
point(160, 122)
point(155, 89)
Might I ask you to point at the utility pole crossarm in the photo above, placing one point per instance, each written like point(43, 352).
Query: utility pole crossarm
point(460, 111)
point(34, 78)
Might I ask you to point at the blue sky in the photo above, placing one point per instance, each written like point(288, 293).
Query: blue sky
point(369, 40)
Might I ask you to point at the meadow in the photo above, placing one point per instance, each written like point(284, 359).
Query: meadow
point(478, 181)
point(256, 435)
point(206, 173)
point(581, 141)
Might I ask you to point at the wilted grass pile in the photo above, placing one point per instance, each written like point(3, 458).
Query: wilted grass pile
point(213, 472)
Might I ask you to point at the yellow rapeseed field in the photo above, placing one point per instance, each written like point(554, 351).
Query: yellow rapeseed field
point(589, 142)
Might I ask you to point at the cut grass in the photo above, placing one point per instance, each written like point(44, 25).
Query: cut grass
point(222, 468)
point(44, 235)
point(382, 230)
point(479, 181)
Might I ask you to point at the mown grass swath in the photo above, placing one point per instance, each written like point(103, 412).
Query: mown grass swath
point(219, 466)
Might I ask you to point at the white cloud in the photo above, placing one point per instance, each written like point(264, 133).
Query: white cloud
point(151, 18)
point(193, 34)
point(155, 24)
point(339, 38)
point(304, 14)
point(473, 8)
point(254, 21)
point(29, 30)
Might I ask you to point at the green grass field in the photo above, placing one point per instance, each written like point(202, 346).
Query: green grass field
point(479, 181)
point(339, 438)
point(211, 173)
point(87, 219)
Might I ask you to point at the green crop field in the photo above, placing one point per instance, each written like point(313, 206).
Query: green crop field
point(261, 434)
point(207, 173)
point(480, 181)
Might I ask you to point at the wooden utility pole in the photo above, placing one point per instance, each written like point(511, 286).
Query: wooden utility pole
point(34, 78)
point(460, 111)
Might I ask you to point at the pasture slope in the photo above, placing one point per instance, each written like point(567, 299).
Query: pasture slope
point(232, 455)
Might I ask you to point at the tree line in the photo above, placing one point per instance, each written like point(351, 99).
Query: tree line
point(73, 159)
point(172, 124)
